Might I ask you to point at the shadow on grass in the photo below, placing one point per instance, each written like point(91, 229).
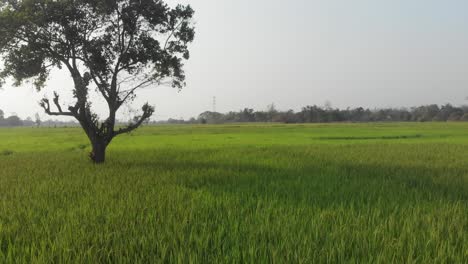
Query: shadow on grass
point(373, 138)
point(322, 182)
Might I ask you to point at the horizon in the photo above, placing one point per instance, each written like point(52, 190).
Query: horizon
point(327, 106)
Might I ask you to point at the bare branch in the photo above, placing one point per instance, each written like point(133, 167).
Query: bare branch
point(45, 104)
point(172, 33)
point(128, 93)
point(56, 102)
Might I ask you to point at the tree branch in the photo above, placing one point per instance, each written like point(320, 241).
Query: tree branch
point(56, 102)
point(172, 34)
point(132, 90)
point(45, 104)
point(147, 113)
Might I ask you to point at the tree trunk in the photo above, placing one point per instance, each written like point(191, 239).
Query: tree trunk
point(98, 154)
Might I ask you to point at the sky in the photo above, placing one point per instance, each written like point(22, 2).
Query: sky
point(251, 53)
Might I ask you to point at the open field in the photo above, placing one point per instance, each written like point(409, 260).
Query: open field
point(362, 193)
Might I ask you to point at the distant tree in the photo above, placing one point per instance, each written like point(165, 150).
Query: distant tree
point(316, 114)
point(455, 116)
point(13, 121)
point(115, 47)
point(2, 114)
point(192, 120)
point(210, 117)
point(289, 117)
point(271, 112)
point(37, 120)
point(425, 113)
point(261, 116)
point(445, 112)
point(464, 117)
point(28, 121)
point(247, 115)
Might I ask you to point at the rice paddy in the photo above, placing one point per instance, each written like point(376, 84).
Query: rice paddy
point(240, 193)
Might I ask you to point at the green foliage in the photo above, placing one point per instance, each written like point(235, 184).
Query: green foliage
point(316, 114)
point(107, 37)
point(370, 193)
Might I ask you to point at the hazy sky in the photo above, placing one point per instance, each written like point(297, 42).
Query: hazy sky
point(250, 53)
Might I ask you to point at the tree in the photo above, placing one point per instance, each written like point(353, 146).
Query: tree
point(271, 112)
point(114, 47)
point(37, 120)
point(2, 114)
point(247, 115)
point(210, 117)
point(28, 121)
point(13, 121)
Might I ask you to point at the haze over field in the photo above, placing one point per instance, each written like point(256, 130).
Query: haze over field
point(295, 53)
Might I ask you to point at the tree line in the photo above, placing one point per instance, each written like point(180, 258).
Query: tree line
point(14, 121)
point(10, 121)
point(308, 114)
point(327, 114)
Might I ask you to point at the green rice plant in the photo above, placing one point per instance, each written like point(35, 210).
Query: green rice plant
point(256, 193)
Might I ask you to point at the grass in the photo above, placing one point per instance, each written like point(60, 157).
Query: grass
point(358, 193)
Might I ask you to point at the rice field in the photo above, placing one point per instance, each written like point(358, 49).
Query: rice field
point(240, 193)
